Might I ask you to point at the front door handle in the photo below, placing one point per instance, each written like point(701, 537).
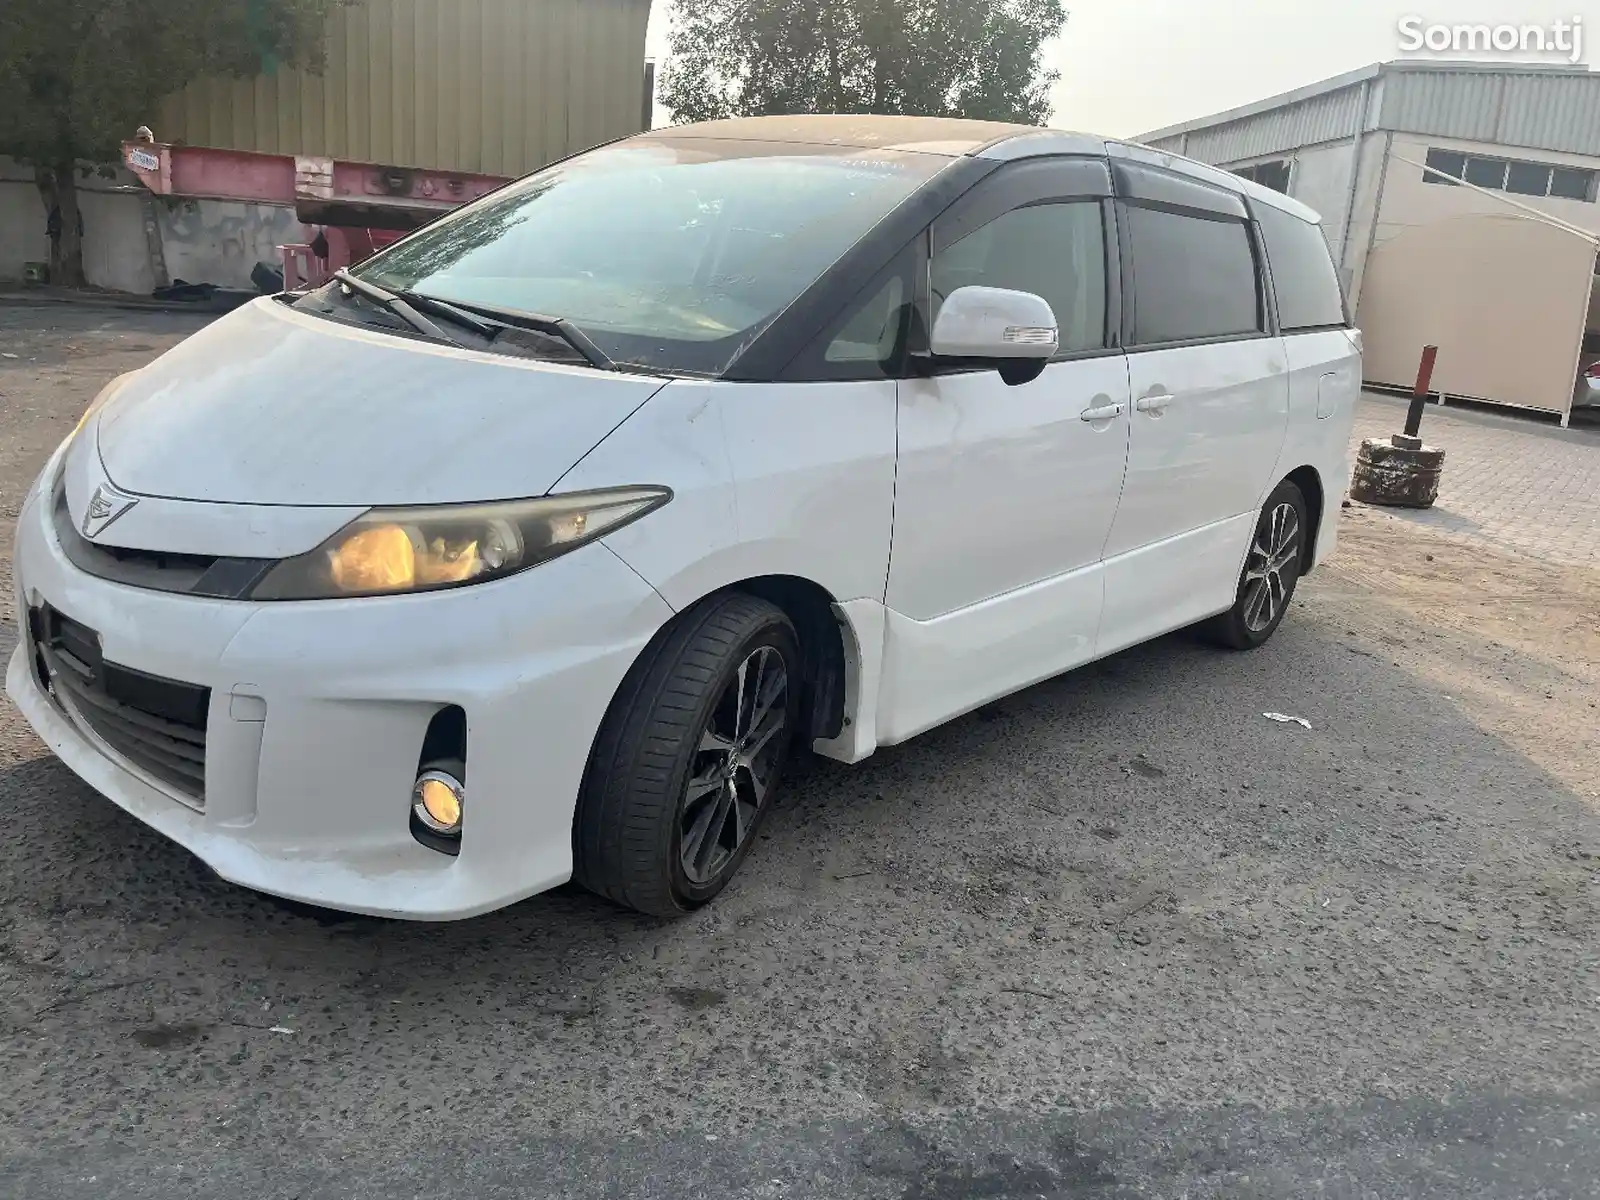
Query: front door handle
point(1104, 413)
point(1152, 404)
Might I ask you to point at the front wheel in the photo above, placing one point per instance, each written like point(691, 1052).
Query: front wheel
point(1271, 571)
point(688, 759)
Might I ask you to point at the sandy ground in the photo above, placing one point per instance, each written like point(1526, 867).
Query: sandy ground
point(1118, 935)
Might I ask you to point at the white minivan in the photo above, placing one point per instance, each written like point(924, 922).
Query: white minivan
point(531, 548)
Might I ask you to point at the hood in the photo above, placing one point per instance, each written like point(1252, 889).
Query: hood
point(273, 407)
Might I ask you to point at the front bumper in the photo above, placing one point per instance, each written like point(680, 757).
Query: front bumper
point(318, 711)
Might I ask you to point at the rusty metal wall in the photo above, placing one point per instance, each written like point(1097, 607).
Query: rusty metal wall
point(499, 87)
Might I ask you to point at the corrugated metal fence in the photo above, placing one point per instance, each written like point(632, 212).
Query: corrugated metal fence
point(1542, 110)
point(1321, 118)
point(493, 86)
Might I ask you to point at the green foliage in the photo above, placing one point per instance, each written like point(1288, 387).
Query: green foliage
point(953, 58)
point(77, 77)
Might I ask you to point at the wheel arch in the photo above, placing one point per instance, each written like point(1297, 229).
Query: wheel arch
point(812, 610)
point(1309, 482)
point(810, 607)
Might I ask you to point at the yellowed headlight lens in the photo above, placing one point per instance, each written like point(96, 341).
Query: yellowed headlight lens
point(441, 803)
point(379, 559)
point(442, 562)
point(393, 550)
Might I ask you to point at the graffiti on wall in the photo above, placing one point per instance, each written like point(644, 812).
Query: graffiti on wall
point(221, 241)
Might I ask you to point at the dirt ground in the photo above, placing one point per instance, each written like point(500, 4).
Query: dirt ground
point(1514, 641)
point(1116, 936)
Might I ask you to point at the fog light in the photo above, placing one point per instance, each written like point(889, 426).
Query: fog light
point(436, 800)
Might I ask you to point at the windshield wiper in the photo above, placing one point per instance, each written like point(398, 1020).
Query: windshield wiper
point(450, 312)
point(395, 304)
point(513, 318)
point(405, 304)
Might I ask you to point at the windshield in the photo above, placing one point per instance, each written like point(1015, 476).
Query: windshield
point(669, 255)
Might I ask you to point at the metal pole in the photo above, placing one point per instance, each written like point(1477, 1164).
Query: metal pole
point(1419, 394)
point(1356, 145)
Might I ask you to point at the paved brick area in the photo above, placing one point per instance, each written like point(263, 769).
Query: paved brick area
point(1511, 481)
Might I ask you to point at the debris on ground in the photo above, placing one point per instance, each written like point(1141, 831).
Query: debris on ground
point(1286, 719)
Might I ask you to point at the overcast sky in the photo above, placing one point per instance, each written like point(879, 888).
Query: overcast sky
point(1130, 66)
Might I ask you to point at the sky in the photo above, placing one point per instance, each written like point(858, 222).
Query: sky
point(1131, 66)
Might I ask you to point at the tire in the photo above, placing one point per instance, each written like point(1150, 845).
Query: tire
point(1264, 597)
point(677, 787)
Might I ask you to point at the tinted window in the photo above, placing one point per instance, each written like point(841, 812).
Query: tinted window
point(1570, 183)
point(1528, 179)
point(1192, 278)
point(669, 254)
point(1449, 162)
point(1486, 172)
point(1274, 174)
point(1057, 251)
point(1303, 276)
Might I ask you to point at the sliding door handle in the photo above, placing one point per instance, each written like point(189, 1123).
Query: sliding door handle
point(1104, 413)
point(1152, 404)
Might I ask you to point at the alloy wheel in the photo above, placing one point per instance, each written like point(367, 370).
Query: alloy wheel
point(1271, 567)
point(735, 765)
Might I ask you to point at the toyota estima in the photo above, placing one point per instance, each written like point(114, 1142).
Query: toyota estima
point(529, 549)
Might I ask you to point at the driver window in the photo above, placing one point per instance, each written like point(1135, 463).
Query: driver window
point(1057, 251)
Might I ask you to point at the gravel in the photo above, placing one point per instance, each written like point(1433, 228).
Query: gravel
point(1115, 936)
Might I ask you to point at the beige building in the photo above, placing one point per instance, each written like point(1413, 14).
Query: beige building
point(1496, 269)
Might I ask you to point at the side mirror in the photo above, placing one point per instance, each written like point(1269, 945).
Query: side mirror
point(995, 323)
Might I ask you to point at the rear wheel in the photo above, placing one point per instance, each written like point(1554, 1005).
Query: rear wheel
point(688, 759)
point(1271, 571)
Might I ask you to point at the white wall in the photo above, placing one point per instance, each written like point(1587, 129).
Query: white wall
point(22, 218)
point(115, 253)
point(220, 241)
point(203, 241)
point(1369, 181)
point(1320, 178)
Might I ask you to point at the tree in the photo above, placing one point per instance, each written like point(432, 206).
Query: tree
point(77, 77)
point(946, 58)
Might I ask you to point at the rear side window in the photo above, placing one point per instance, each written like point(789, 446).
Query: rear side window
point(1057, 251)
point(1303, 277)
point(1192, 277)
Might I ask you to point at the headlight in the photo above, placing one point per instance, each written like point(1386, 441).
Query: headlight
point(392, 550)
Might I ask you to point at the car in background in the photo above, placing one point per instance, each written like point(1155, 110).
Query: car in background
point(1587, 393)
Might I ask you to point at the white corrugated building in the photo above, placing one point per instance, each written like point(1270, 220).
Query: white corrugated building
point(1499, 278)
